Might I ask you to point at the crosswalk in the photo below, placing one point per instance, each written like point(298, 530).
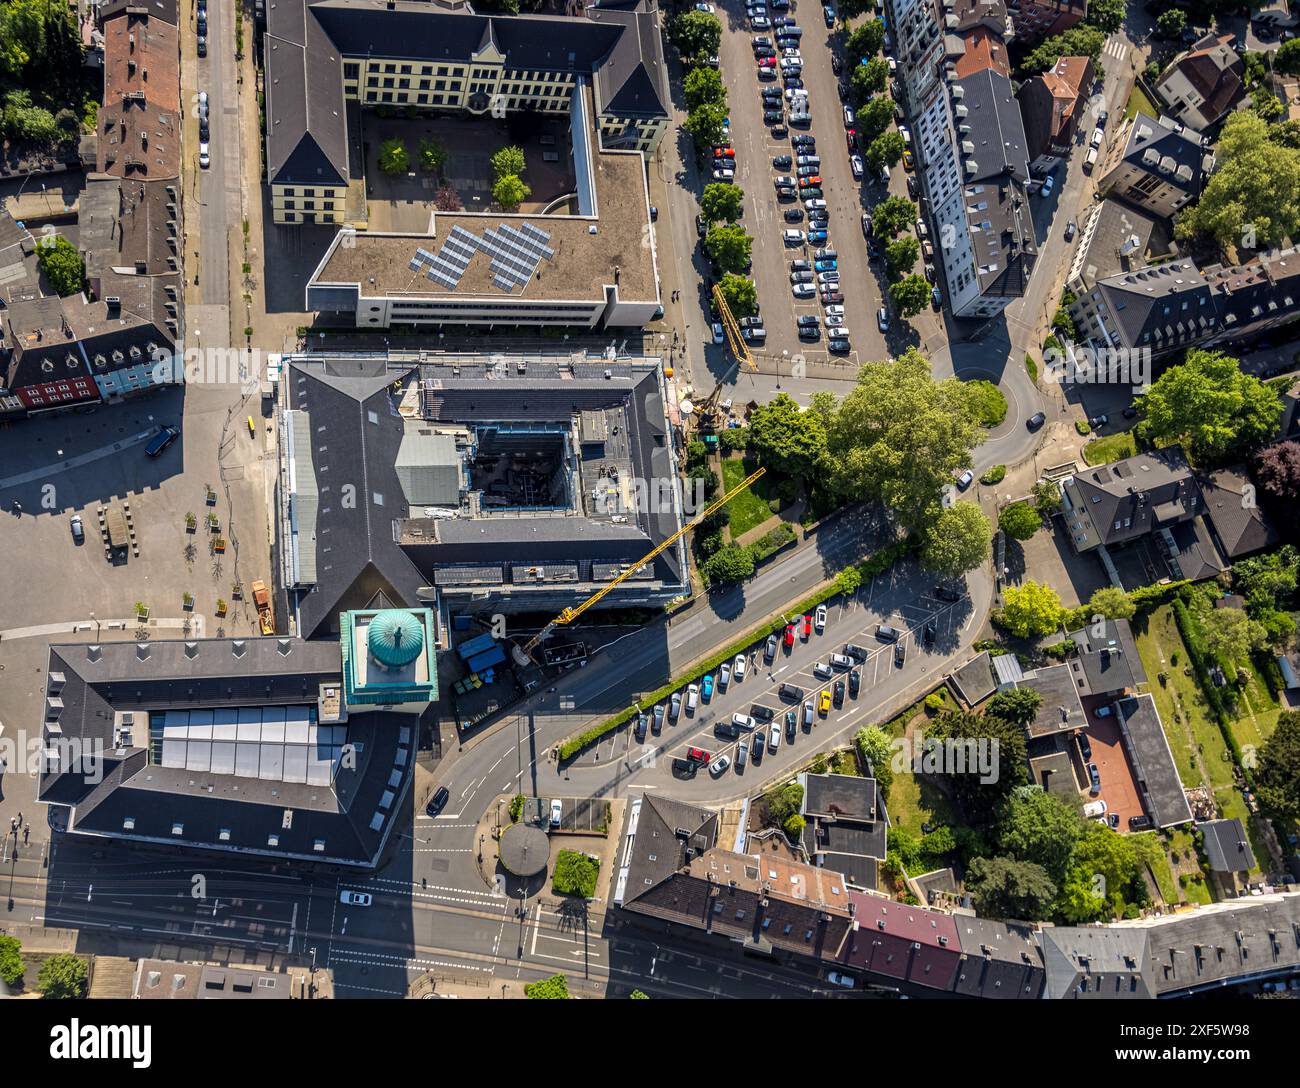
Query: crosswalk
point(1116, 47)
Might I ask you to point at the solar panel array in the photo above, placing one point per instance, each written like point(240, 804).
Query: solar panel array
point(515, 254)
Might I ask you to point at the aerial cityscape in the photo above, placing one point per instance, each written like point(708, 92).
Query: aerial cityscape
point(618, 499)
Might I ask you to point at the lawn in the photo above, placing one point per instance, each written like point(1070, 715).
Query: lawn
point(1114, 447)
point(1257, 711)
point(749, 508)
point(915, 802)
point(1138, 100)
point(1151, 849)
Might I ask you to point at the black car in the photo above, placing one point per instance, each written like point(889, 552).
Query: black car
point(900, 653)
point(437, 801)
point(159, 442)
point(684, 768)
point(791, 692)
point(791, 724)
point(725, 729)
point(773, 117)
point(912, 186)
point(757, 745)
point(793, 215)
point(780, 132)
point(803, 140)
point(947, 593)
point(203, 45)
point(1035, 421)
point(837, 65)
point(203, 23)
point(761, 712)
point(701, 227)
point(855, 682)
point(641, 723)
point(853, 650)
point(837, 693)
point(809, 332)
point(838, 345)
point(1129, 412)
point(930, 631)
point(1085, 746)
point(782, 162)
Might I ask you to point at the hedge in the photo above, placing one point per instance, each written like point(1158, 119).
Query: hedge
point(875, 565)
point(1196, 651)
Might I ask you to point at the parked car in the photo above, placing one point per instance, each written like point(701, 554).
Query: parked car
point(855, 164)
point(774, 738)
point(675, 706)
point(355, 899)
point(698, 755)
point(855, 682)
point(658, 717)
point(824, 703)
point(78, 532)
point(821, 618)
point(159, 442)
point(724, 675)
point(642, 723)
point(882, 320)
point(965, 480)
point(707, 688)
point(807, 627)
point(1070, 229)
point(1094, 776)
point(789, 635)
point(790, 691)
point(738, 667)
point(557, 811)
point(808, 712)
point(719, 765)
point(743, 721)
point(900, 653)
point(1035, 421)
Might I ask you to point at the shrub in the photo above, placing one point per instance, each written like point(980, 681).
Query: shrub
point(62, 976)
point(1083, 426)
point(555, 988)
point(995, 475)
point(575, 874)
point(517, 803)
point(793, 827)
point(987, 402)
point(934, 702)
point(1019, 521)
point(11, 961)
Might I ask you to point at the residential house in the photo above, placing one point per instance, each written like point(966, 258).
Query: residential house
point(1035, 20)
point(1228, 853)
point(1158, 309)
point(1203, 84)
point(1162, 168)
point(1239, 524)
point(1052, 105)
point(845, 825)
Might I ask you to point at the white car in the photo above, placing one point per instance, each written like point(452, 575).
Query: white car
point(820, 620)
point(724, 675)
point(834, 311)
point(719, 765)
point(856, 165)
point(725, 174)
point(205, 159)
point(718, 335)
point(557, 811)
point(738, 667)
point(835, 321)
point(704, 7)
point(792, 237)
point(355, 899)
point(803, 290)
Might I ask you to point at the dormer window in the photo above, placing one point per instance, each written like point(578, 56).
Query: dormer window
point(47, 366)
point(101, 362)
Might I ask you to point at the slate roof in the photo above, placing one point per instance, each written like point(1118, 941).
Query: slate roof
point(1215, 70)
point(1141, 494)
point(1239, 522)
point(1227, 846)
point(1106, 661)
point(1177, 155)
point(1060, 707)
point(141, 799)
point(1161, 307)
point(1153, 764)
point(1264, 290)
point(1083, 962)
point(998, 959)
point(974, 680)
point(306, 123)
point(631, 80)
point(895, 941)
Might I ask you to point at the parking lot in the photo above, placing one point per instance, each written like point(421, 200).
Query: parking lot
point(910, 611)
point(845, 198)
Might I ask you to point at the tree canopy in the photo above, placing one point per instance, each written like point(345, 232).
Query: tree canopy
point(891, 215)
point(1030, 609)
point(786, 438)
point(507, 160)
point(1111, 602)
point(1040, 827)
point(901, 255)
point(873, 119)
point(704, 123)
point(1230, 634)
point(910, 294)
point(741, 294)
point(868, 79)
point(899, 437)
point(1252, 199)
point(885, 150)
point(1277, 473)
point(731, 563)
point(697, 33)
point(957, 540)
point(1078, 41)
point(721, 200)
point(729, 247)
point(1277, 775)
point(62, 976)
point(702, 85)
point(1004, 887)
point(865, 41)
point(62, 265)
point(393, 157)
point(999, 746)
point(510, 191)
point(1210, 406)
point(1106, 15)
point(1019, 521)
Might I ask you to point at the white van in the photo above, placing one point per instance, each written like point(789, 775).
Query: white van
point(792, 237)
point(1090, 160)
point(1093, 809)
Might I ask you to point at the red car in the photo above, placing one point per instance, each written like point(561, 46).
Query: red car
point(851, 138)
point(767, 62)
point(698, 755)
point(789, 634)
point(807, 627)
point(724, 149)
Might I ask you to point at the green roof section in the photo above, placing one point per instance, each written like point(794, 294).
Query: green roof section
point(395, 638)
point(389, 657)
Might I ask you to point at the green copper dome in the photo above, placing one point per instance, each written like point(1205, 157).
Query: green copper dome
point(395, 638)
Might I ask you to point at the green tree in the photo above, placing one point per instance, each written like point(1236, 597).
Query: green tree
point(1230, 634)
point(575, 874)
point(1099, 853)
point(987, 402)
point(893, 214)
point(62, 265)
point(555, 988)
point(1019, 521)
point(637, 995)
point(1268, 580)
point(783, 803)
point(721, 200)
point(910, 294)
point(998, 755)
point(849, 579)
point(702, 86)
point(1039, 827)
point(885, 150)
point(1005, 887)
point(741, 294)
point(901, 255)
point(1210, 406)
point(393, 157)
point(1277, 773)
point(506, 161)
point(433, 156)
point(868, 79)
point(705, 124)
point(1106, 15)
point(875, 753)
point(873, 119)
point(731, 563)
point(957, 540)
point(729, 247)
point(1047, 498)
point(62, 976)
point(1253, 197)
point(1111, 602)
point(1078, 41)
point(510, 191)
point(1266, 104)
point(11, 961)
point(1030, 609)
point(1171, 23)
point(1287, 57)
point(793, 826)
point(787, 439)
point(1017, 705)
point(697, 34)
point(865, 41)
point(899, 437)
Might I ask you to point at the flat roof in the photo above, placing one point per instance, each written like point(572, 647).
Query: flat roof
point(1153, 762)
point(580, 266)
point(1060, 708)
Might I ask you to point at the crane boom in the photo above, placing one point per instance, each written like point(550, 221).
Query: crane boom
point(735, 340)
point(571, 614)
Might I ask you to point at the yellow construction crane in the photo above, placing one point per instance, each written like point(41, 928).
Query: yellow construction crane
point(571, 614)
point(734, 338)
